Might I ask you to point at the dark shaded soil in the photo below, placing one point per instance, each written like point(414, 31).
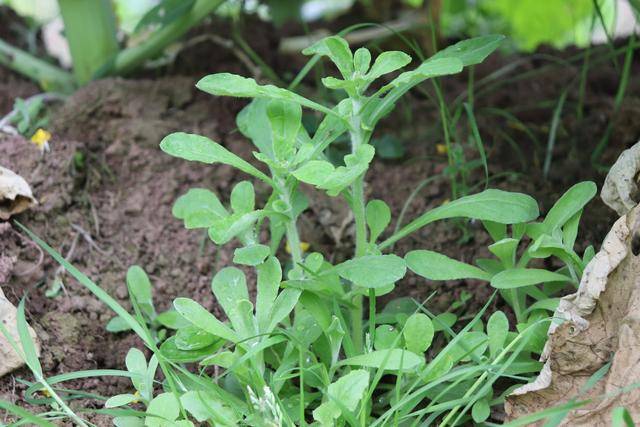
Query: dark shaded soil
point(106, 191)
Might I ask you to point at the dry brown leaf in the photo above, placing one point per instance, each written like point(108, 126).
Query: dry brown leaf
point(601, 324)
point(620, 189)
point(15, 194)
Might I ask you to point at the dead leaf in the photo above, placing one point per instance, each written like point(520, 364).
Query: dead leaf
point(620, 189)
point(15, 194)
point(601, 324)
point(9, 359)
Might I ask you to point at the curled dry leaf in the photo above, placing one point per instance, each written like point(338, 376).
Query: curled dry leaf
point(9, 360)
point(620, 190)
point(602, 325)
point(15, 194)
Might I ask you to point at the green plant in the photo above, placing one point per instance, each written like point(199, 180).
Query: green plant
point(303, 351)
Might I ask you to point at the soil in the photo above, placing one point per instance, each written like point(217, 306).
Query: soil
point(105, 191)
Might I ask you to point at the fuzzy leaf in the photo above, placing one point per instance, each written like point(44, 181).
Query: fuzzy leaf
point(200, 317)
point(378, 216)
point(373, 271)
point(435, 266)
point(337, 49)
point(198, 208)
point(251, 255)
point(388, 62)
point(471, 51)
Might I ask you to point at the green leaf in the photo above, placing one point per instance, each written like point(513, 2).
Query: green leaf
point(418, 333)
point(283, 306)
point(471, 51)
point(346, 392)
point(481, 410)
point(223, 230)
point(519, 277)
point(243, 198)
point(118, 324)
point(171, 319)
point(120, 400)
point(362, 60)
point(378, 216)
point(199, 208)
point(205, 406)
point(171, 352)
point(192, 337)
point(314, 172)
point(497, 330)
point(393, 359)
point(251, 255)
point(285, 119)
point(269, 278)
point(491, 205)
point(225, 84)
point(229, 286)
point(201, 149)
point(620, 417)
point(470, 343)
point(435, 266)
point(427, 70)
point(372, 271)
point(200, 317)
point(571, 202)
point(505, 251)
point(163, 407)
point(337, 49)
point(253, 122)
point(386, 337)
point(26, 342)
point(443, 321)
point(140, 289)
point(356, 164)
point(388, 62)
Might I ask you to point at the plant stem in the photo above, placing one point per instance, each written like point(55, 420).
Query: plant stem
point(129, 59)
point(293, 239)
point(358, 208)
point(48, 76)
point(90, 28)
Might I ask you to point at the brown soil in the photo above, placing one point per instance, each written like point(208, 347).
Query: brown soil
point(106, 190)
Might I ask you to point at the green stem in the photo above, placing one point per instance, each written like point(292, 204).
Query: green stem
point(129, 59)
point(90, 28)
point(48, 76)
point(293, 239)
point(358, 208)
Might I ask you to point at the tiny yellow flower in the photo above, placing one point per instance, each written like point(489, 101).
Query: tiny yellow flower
point(441, 149)
point(137, 395)
point(445, 201)
point(304, 246)
point(41, 139)
point(45, 392)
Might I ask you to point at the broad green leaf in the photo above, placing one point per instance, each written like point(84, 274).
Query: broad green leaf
point(164, 407)
point(505, 251)
point(333, 83)
point(269, 278)
point(198, 208)
point(497, 330)
point(435, 266)
point(570, 230)
point(229, 286)
point(496, 230)
point(443, 321)
point(471, 51)
point(378, 216)
point(225, 229)
point(388, 62)
point(362, 60)
point(418, 333)
point(283, 306)
point(171, 319)
point(118, 324)
point(253, 122)
point(140, 288)
point(481, 410)
point(120, 400)
point(470, 343)
point(346, 392)
point(393, 360)
point(201, 149)
point(135, 361)
point(285, 119)
point(225, 84)
point(171, 352)
point(386, 337)
point(205, 406)
point(200, 317)
point(193, 338)
point(373, 271)
point(549, 304)
point(356, 164)
point(243, 198)
point(314, 172)
point(251, 255)
point(519, 277)
point(337, 49)
point(571, 202)
point(491, 205)
point(428, 69)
